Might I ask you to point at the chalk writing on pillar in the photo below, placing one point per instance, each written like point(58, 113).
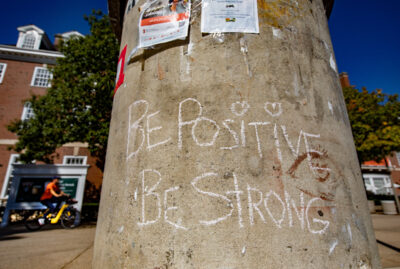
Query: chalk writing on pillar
point(196, 127)
point(134, 127)
point(240, 108)
point(143, 136)
point(137, 131)
point(259, 202)
point(273, 109)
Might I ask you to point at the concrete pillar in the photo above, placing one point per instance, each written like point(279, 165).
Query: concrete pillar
point(234, 151)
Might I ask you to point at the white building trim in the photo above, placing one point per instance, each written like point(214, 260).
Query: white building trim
point(71, 34)
point(3, 71)
point(12, 160)
point(8, 141)
point(72, 144)
point(77, 144)
point(74, 160)
point(44, 53)
point(30, 27)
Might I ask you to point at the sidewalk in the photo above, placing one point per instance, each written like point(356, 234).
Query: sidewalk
point(387, 232)
point(58, 248)
point(49, 248)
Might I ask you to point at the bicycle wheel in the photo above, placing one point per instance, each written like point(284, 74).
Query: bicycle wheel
point(32, 221)
point(70, 218)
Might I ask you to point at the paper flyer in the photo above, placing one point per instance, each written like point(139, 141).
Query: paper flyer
point(219, 16)
point(163, 21)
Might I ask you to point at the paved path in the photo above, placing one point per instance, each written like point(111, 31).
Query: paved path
point(387, 231)
point(55, 248)
point(48, 248)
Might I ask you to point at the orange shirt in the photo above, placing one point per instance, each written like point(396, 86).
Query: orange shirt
point(47, 193)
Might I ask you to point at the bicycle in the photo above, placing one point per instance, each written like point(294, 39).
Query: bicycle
point(68, 216)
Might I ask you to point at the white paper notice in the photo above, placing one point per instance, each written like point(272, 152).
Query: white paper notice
point(219, 16)
point(164, 21)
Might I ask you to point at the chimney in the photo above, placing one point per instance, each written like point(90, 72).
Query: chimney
point(57, 41)
point(344, 80)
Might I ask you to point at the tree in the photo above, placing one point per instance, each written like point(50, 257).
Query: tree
point(375, 122)
point(77, 107)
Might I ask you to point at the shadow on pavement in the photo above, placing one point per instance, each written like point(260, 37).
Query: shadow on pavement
point(20, 228)
point(12, 237)
point(388, 245)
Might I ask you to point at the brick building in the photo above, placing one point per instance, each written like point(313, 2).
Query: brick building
point(377, 175)
point(23, 72)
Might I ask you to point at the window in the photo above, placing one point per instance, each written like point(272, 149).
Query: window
point(74, 160)
point(31, 37)
point(41, 77)
point(378, 184)
point(27, 112)
point(131, 4)
point(397, 153)
point(9, 175)
point(2, 71)
point(29, 41)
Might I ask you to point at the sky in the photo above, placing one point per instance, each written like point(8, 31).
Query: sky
point(365, 33)
point(366, 40)
point(53, 17)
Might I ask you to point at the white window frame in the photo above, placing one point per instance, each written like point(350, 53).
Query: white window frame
point(35, 73)
point(130, 5)
point(74, 157)
point(370, 183)
point(8, 176)
point(398, 158)
point(27, 112)
point(3, 71)
point(34, 32)
point(32, 41)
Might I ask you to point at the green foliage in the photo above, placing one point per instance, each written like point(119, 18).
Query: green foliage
point(77, 107)
point(375, 121)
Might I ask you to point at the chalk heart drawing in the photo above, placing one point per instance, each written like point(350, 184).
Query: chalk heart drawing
point(273, 109)
point(240, 108)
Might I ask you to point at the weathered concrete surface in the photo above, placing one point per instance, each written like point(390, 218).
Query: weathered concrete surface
point(116, 12)
point(47, 248)
point(234, 151)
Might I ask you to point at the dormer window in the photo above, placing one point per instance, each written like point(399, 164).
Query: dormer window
point(29, 41)
point(31, 37)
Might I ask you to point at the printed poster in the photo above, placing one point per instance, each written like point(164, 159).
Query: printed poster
point(163, 21)
point(219, 16)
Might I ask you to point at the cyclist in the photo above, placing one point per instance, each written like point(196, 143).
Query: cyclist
point(52, 194)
